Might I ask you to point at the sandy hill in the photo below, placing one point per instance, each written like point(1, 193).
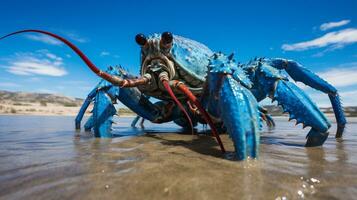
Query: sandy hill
point(25, 97)
point(38, 103)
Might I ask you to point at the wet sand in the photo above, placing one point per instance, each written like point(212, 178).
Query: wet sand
point(43, 158)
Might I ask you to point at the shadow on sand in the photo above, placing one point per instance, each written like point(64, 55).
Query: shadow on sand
point(203, 144)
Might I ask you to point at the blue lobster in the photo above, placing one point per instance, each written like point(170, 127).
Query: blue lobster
point(195, 85)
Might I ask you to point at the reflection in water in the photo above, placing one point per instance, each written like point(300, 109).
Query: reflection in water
point(43, 158)
point(316, 161)
point(341, 152)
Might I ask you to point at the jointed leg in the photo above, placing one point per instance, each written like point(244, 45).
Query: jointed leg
point(135, 120)
point(84, 107)
point(142, 123)
point(266, 117)
point(89, 124)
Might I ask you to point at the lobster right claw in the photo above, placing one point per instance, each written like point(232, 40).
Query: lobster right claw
point(240, 115)
point(232, 102)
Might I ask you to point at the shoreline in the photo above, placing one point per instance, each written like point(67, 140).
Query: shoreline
point(330, 117)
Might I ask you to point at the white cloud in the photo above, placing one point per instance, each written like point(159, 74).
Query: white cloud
point(348, 98)
point(336, 39)
point(104, 53)
point(107, 53)
point(40, 63)
point(329, 25)
point(342, 75)
point(53, 41)
point(339, 76)
point(53, 56)
point(75, 37)
point(328, 49)
point(44, 38)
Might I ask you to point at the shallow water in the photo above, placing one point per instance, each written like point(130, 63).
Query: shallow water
point(44, 158)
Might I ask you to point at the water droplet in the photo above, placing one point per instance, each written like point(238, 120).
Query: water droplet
point(301, 194)
point(314, 180)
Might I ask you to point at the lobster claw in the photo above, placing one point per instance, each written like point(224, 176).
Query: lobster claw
point(239, 112)
point(231, 101)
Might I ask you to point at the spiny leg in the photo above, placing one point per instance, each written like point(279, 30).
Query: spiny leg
point(84, 107)
point(134, 100)
point(92, 122)
point(137, 118)
point(103, 112)
point(302, 74)
point(104, 96)
point(107, 95)
point(339, 114)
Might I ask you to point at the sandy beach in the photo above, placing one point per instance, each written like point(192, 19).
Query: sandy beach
point(41, 109)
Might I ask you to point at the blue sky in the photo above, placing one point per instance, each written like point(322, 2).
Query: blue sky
point(321, 35)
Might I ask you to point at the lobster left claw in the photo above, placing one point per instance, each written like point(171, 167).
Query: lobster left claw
point(235, 105)
point(299, 73)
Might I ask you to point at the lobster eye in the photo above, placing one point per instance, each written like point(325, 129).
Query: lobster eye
point(140, 39)
point(166, 38)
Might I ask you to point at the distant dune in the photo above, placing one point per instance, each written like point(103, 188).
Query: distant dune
point(25, 103)
point(350, 111)
point(38, 104)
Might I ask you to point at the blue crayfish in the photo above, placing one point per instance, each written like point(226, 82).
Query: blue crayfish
point(196, 85)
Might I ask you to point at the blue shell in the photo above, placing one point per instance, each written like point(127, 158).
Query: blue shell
point(192, 56)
